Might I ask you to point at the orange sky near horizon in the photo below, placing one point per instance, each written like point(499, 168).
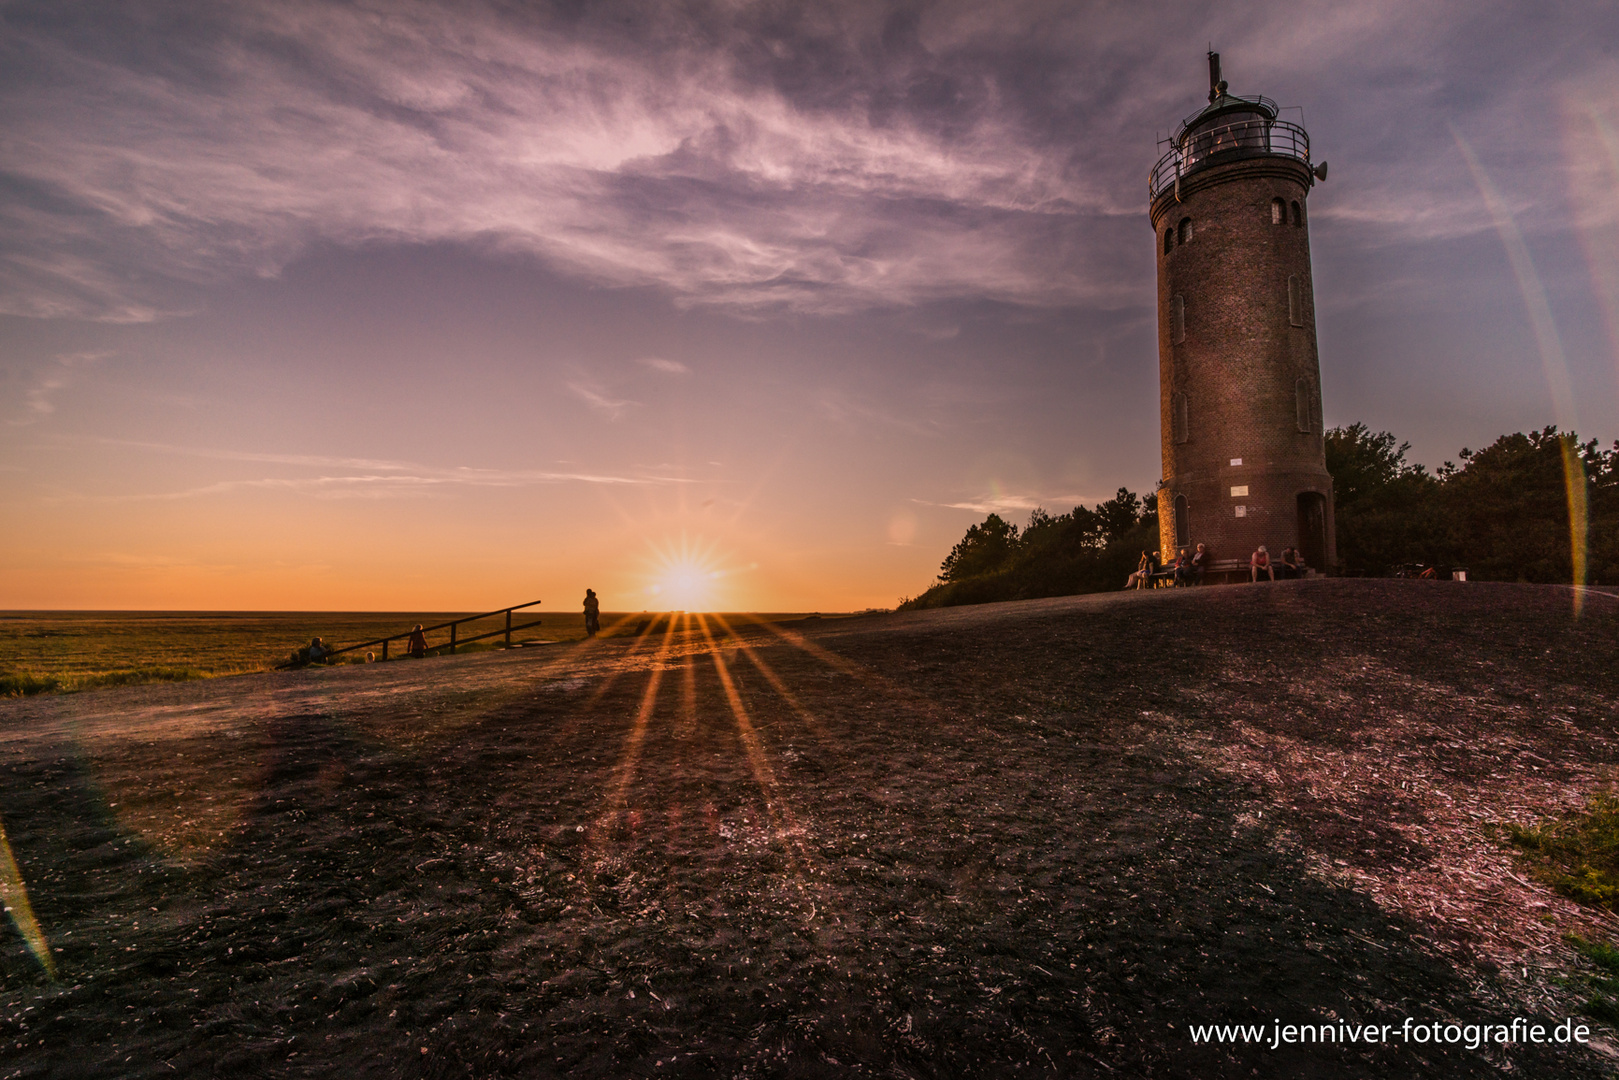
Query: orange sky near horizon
point(445, 552)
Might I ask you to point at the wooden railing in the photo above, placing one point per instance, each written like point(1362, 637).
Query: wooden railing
point(454, 624)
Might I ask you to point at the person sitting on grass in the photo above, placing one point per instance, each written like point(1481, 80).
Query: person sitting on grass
point(1258, 564)
point(315, 653)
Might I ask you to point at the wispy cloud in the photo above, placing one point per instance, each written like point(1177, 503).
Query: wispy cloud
point(1006, 502)
point(371, 477)
point(846, 408)
point(998, 504)
point(832, 157)
point(712, 171)
point(38, 399)
point(668, 367)
point(593, 396)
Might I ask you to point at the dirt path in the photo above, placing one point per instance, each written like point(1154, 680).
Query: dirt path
point(1022, 839)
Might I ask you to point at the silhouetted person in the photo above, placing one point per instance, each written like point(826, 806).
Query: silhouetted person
point(417, 645)
point(593, 613)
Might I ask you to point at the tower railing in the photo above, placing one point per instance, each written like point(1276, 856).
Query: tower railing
point(1249, 138)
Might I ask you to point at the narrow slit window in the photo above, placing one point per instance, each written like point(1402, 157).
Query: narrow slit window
point(1183, 525)
point(1177, 318)
point(1295, 301)
point(1303, 407)
point(1169, 240)
point(1185, 236)
point(1177, 418)
point(1278, 212)
point(1298, 214)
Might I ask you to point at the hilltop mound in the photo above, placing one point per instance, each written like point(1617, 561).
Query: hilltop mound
point(1043, 836)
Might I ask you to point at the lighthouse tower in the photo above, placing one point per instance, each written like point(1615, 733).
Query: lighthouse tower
point(1238, 375)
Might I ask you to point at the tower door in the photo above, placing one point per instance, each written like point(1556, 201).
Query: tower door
point(1313, 529)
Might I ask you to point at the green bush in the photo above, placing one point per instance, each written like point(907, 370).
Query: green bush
point(24, 683)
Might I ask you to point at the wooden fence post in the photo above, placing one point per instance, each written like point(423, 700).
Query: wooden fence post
point(508, 628)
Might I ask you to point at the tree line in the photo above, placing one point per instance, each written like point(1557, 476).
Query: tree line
point(1081, 551)
point(1504, 514)
point(1508, 512)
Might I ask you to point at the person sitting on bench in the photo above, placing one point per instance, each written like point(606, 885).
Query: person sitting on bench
point(1145, 569)
point(1186, 567)
point(1259, 563)
point(1199, 563)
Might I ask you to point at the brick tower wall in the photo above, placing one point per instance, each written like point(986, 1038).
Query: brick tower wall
point(1238, 379)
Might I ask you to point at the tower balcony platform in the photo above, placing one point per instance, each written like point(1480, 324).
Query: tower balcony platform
point(1230, 142)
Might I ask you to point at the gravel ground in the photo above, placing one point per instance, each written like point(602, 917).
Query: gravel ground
point(1031, 839)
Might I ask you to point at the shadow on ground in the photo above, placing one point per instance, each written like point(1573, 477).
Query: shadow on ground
point(951, 844)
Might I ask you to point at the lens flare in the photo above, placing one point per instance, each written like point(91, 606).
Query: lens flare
point(1593, 178)
point(1551, 358)
point(14, 893)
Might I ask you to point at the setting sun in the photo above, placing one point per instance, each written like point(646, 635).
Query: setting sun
point(686, 577)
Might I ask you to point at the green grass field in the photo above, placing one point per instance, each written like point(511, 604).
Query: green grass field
point(46, 651)
point(77, 650)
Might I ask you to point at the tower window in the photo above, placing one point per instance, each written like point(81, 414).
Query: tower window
point(1302, 404)
point(1185, 236)
point(1169, 239)
point(1183, 529)
point(1177, 418)
point(1295, 301)
point(1177, 318)
point(1278, 212)
point(1298, 213)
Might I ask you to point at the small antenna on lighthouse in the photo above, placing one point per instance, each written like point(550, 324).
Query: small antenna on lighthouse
point(1214, 76)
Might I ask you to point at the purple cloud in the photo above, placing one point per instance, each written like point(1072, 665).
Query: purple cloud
point(839, 158)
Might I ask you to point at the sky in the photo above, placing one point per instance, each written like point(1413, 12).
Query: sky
point(418, 306)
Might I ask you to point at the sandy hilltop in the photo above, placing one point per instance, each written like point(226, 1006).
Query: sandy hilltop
point(1041, 838)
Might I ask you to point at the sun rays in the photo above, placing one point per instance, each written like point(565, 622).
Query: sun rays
point(689, 691)
point(666, 718)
